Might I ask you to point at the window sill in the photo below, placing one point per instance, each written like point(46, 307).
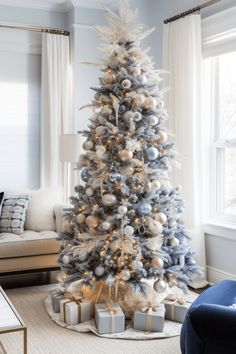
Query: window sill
point(220, 229)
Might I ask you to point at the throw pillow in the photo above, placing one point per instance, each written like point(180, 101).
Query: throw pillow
point(1, 201)
point(13, 214)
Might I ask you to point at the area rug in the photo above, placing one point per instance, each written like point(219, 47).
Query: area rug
point(171, 328)
point(46, 337)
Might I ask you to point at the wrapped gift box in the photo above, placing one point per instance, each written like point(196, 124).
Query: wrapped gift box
point(176, 312)
point(109, 318)
point(74, 311)
point(150, 319)
point(56, 298)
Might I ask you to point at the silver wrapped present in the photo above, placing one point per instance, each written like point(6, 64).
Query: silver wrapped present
point(56, 297)
point(177, 312)
point(150, 318)
point(74, 311)
point(109, 318)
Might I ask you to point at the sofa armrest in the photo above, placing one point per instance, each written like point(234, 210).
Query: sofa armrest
point(60, 211)
point(213, 321)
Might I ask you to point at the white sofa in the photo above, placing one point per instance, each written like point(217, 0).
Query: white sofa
point(37, 248)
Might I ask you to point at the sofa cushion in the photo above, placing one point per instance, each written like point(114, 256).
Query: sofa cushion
point(28, 244)
point(13, 214)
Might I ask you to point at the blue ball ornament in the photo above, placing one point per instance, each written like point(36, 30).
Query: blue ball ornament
point(99, 271)
point(114, 176)
point(152, 153)
point(84, 175)
point(144, 209)
point(137, 116)
point(122, 108)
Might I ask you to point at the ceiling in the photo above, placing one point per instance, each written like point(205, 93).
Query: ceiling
point(58, 5)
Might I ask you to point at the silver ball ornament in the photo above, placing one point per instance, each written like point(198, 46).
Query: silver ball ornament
point(152, 120)
point(152, 153)
point(125, 274)
point(128, 230)
point(89, 192)
point(109, 199)
point(122, 210)
point(136, 265)
point(101, 130)
point(88, 145)
point(99, 271)
point(161, 217)
point(137, 116)
point(126, 84)
point(156, 185)
point(160, 286)
point(136, 71)
point(106, 225)
point(142, 79)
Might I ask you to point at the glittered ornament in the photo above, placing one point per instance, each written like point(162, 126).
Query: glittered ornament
point(122, 210)
point(126, 84)
point(144, 209)
point(155, 227)
point(174, 241)
point(80, 219)
point(162, 137)
point(128, 230)
point(152, 153)
point(125, 155)
point(152, 120)
point(106, 225)
point(89, 192)
point(161, 217)
point(157, 263)
point(154, 243)
point(84, 175)
point(92, 221)
point(66, 259)
point(106, 111)
point(138, 100)
point(160, 286)
point(137, 116)
point(88, 145)
point(125, 274)
point(109, 77)
point(136, 71)
point(109, 199)
point(101, 130)
point(150, 103)
point(99, 271)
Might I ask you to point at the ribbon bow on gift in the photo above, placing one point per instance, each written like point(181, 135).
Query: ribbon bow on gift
point(113, 309)
point(149, 308)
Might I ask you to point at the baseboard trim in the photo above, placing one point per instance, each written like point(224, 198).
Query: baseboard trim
point(214, 275)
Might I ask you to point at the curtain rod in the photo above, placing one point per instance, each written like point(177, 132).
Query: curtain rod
point(38, 29)
point(189, 12)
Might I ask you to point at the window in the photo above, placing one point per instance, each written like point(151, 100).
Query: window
point(20, 66)
point(220, 105)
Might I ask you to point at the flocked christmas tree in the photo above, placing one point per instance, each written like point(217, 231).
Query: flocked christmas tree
point(124, 239)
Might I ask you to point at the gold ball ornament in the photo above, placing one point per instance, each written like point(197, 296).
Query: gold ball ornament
point(125, 155)
point(92, 221)
point(150, 103)
point(69, 227)
point(80, 219)
point(138, 100)
point(109, 77)
point(161, 217)
point(160, 286)
point(157, 263)
point(162, 137)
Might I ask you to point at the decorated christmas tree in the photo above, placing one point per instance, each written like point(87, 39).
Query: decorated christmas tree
point(124, 239)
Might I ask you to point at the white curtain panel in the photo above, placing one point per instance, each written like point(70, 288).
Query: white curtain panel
point(56, 117)
point(182, 58)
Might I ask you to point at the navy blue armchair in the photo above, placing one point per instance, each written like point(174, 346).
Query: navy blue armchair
point(210, 324)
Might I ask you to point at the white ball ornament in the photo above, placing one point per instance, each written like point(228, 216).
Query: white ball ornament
point(92, 221)
point(150, 103)
point(80, 219)
point(89, 192)
point(109, 199)
point(162, 137)
point(128, 230)
point(66, 259)
point(152, 153)
point(156, 185)
point(157, 263)
point(88, 145)
point(155, 227)
point(174, 242)
point(160, 286)
point(125, 155)
point(109, 77)
point(122, 210)
point(99, 271)
point(136, 265)
point(152, 120)
point(106, 225)
point(161, 217)
point(126, 84)
point(125, 274)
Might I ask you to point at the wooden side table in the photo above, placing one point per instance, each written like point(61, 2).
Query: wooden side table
point(10, 320)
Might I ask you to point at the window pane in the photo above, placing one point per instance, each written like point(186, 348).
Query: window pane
point(230, 181)
point(227, 95)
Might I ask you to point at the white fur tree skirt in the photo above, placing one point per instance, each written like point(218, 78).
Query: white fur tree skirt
point(171, 329)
